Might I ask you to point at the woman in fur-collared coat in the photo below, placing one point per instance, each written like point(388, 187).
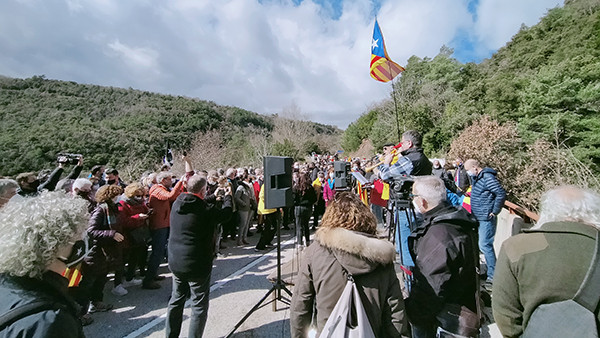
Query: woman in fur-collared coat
point(348, 231)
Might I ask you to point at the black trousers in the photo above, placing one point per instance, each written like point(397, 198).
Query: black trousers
point(266, 236)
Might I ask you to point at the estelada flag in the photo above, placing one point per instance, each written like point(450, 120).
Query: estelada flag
point(362, 193)
point(73, 274)
point(382, 67)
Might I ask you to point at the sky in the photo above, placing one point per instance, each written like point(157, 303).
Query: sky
point(266, 56)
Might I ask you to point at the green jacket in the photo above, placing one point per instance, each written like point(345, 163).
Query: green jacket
point(541, 266)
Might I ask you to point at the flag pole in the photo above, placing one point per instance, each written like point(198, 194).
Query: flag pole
point(396, 109)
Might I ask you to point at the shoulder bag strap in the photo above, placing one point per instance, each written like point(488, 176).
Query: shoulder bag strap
point(348, 274)
point(588, 294)
point(23, 311)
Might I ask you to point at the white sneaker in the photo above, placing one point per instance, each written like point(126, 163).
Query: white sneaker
point(119, 290)
point(133, 282)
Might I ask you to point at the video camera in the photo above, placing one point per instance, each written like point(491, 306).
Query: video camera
point(400, 190)
point(68, 158)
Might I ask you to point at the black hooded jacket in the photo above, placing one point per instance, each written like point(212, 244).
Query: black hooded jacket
point(57, 319)
point(192, 235)
point(444, 250)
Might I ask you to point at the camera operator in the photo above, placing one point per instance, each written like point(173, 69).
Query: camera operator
point(411, 162)
point(30, 185)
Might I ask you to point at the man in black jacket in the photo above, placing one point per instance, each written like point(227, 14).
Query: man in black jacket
point(30, 185)
point(412, 162)
point(194, 218)
point(445, 255)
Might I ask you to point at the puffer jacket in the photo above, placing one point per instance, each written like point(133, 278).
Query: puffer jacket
point(58, 321)
point(106, 252)
point(445, 255)
point(321, 280)
point(487, 195)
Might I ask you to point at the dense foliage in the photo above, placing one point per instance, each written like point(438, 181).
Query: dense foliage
point(545, 82)
point(126, 128)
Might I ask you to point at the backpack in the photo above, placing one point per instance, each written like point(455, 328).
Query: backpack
point(574, 317)
point(348, 318)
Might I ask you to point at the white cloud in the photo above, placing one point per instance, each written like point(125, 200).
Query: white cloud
point(498, 21)
point(258, 56)
point(135, 57)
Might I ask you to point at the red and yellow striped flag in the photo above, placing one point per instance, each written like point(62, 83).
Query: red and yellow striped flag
point(73, 274)
point(382, 67)
point(363, 193)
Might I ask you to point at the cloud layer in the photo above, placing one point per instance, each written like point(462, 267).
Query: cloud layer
point(259, 55)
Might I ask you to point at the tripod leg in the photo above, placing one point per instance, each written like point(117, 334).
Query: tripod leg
point(277, 287)
point(259, 304)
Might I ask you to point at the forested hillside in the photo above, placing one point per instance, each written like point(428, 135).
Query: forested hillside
point(544, 83)
point(130, 129)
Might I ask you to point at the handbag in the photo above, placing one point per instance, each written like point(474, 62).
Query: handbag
point(459, 320)
point(140, 235)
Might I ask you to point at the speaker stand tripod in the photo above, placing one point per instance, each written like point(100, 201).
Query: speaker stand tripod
point(277, 287)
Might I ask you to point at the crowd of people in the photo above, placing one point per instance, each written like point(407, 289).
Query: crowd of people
point(77, 230)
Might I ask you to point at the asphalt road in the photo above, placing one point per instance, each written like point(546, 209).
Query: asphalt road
point(239, 281)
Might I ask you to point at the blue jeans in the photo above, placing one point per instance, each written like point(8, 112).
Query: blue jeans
point(487, 231)
point(198, 290)
point(402, 238)
point(159, 246)
point(378, 211)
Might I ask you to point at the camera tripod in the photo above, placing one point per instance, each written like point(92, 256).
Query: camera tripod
point(278, 286)
point(402, 207)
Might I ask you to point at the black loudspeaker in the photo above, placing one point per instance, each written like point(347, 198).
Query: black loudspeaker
point(278, 182)
point(342, 174)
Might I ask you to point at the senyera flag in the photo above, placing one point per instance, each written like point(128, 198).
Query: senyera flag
point(382, 67)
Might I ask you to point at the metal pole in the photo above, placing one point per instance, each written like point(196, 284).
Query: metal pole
point(396, 111)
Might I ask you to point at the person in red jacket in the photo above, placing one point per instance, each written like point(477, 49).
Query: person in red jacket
point(133, 214)
point(161, 197)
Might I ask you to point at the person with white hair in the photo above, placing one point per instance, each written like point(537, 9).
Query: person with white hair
point(549, 262)
point(445, 254)
point(82, 187)
point(8, 188)
point(37, 237)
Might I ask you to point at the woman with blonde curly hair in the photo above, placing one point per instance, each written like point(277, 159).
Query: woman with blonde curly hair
point(36, 244)
point(133, 215)
point(106, 252)
point(345, 243)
